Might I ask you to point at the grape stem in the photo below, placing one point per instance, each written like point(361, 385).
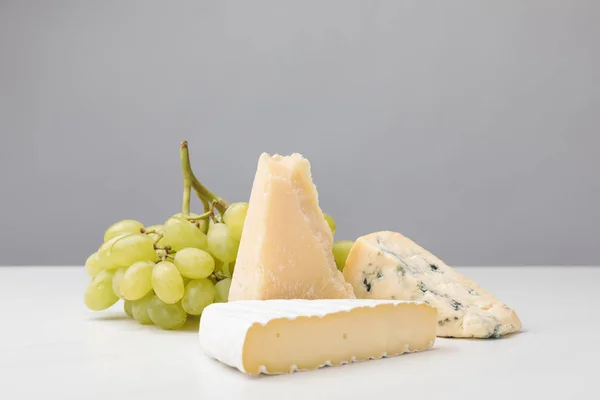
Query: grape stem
point(205, 195)
point(205, 204)
point(158, 237)
point(185, 205)
point(201, 216)
point(211, 211)
point(187, 184)
point(167, 249)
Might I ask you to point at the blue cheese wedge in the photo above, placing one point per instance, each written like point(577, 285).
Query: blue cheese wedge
point(388, 265)
point(283, 336)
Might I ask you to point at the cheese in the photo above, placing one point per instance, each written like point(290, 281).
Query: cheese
point(286, 245)
point(282, 336)
point(388, 265)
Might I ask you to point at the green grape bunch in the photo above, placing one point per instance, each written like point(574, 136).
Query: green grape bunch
point(168, 274)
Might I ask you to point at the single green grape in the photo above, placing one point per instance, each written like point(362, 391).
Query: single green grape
point(117, 281)
point(222, 288)
point(341, 249)
point(221, 244)
point(179, 233)
point(202, 224)
point(194, 263)
point(166, 316)
point(137, 280)
point(128, 308)
point(92, 265)
point(234, 218)
point(102, 255)
point(199, 293)
point(167, 282)
point(124, 226)
point(99, 294)
point(139, 309)
point(126, 249)
point(330, 222)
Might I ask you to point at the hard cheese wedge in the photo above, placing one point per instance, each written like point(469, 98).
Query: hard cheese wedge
point(281, 336)
point(286, 246)
point(388, 265)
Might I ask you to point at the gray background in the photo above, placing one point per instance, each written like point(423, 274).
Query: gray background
point(472, 127)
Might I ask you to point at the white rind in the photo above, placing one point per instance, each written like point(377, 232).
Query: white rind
point(223, 326)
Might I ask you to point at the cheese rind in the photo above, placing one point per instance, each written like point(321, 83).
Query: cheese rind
point(388, 265)
point(286, 246)
point(282, 336)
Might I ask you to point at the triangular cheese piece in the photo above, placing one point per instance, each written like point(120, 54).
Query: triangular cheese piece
point(286, 246)
point(388, 265)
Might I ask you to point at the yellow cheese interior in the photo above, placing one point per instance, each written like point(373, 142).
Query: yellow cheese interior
point(337, 338)
point(286, 246)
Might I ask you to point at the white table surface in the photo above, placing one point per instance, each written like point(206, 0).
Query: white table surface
point(51, 345)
